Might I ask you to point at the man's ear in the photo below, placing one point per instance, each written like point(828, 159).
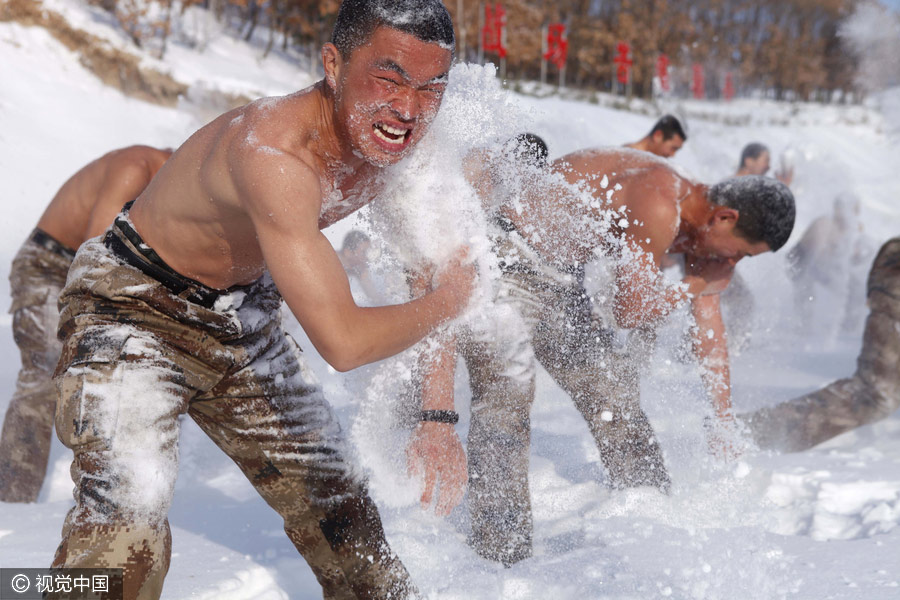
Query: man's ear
point(332, 62)
point(658, 137)
point(724, 215)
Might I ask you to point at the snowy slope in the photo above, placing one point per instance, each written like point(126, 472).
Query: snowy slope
point(820, 524)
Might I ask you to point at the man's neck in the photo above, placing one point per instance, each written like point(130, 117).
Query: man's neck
point(641, 144)
point(695, 211)
point(331, 144)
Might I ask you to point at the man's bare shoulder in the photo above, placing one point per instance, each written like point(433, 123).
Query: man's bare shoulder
point(267, 150)
point(610, 164)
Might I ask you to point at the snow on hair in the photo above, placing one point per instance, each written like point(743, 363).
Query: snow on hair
point(427, 20)
point(765, 206)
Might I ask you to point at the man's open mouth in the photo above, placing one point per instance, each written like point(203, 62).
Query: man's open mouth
point(392, 135)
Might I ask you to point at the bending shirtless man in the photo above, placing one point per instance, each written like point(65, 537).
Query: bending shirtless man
point(177, 310)
point(83, 208)
point(636, 208)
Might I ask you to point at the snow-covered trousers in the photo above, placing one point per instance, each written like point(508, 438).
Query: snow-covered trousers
point(543, 315)
point(37, 276)
point(870, 394)
point(136, 355)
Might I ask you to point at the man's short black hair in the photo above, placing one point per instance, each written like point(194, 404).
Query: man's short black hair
point(752, 151)
point(531, 148)
point(427, 20)
point(669, 125)
point(765, 206)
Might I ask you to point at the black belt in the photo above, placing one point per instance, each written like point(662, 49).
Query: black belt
point(146, 260)
point(48, 242)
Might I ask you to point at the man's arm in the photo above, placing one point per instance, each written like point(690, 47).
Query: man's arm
point(711, 350)
point(283, 198)
point(435, 451)
point(643, 297)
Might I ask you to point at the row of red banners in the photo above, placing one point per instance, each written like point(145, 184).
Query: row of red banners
point(557, 51)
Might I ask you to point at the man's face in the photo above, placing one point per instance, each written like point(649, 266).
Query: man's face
point(719, 240)
point(758, 165)
point(665, 147)
point(387, 93)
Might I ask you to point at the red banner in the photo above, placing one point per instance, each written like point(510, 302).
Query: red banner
point(728, 91)
point(623, 62)
point(662, 71)
point(699, 84)
point(557, 45)
point(492, 32)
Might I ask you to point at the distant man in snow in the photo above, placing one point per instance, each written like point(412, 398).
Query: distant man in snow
point(870, 394)
point(638, 208)
point(832, 253)
point(176, 310)
point(756, 160)
point(354, 256)
point(83, 208)
point(665, 139)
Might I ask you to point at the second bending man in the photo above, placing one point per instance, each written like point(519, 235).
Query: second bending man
point(543, 315)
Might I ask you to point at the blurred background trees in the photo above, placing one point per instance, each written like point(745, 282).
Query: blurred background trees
point(783, 49)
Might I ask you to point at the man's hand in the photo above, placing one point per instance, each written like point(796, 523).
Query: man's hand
point(436, 454)
point(707, 275)
point(456, 279)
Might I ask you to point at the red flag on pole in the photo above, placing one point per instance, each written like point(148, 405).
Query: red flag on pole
point(623, 62)
point(699, 85)
point(662, 71)
point(492, 32)
point(728, 92)
point(557, 45)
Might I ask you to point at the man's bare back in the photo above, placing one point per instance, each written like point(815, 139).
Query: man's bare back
point(644, 189)
point(88, 201)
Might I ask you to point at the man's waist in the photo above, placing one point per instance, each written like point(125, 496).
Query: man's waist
point(50, 243)
point(126, 243)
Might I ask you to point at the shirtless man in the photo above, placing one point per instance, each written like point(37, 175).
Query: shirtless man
point(83, 208)
point(870, 394)
point(177, 310)
point(665, 139)
point(638, 209)
point(354, 256)
point(756, 160)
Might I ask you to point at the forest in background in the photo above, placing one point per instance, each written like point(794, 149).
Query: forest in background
point(813, 50)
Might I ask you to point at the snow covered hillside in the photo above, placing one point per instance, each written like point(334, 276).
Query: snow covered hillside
point(813, 525)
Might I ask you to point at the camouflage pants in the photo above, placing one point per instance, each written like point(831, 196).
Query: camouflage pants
point(540, 315)
point(135, 357)
point(870, 394)
point(37, 276)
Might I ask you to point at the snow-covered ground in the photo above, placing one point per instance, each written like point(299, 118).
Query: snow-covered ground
point(814, 525)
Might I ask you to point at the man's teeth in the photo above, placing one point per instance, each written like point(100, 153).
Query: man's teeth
point(400, 133)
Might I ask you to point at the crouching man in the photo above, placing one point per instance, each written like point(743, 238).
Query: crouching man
point(547, 232)
point(82, 208)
